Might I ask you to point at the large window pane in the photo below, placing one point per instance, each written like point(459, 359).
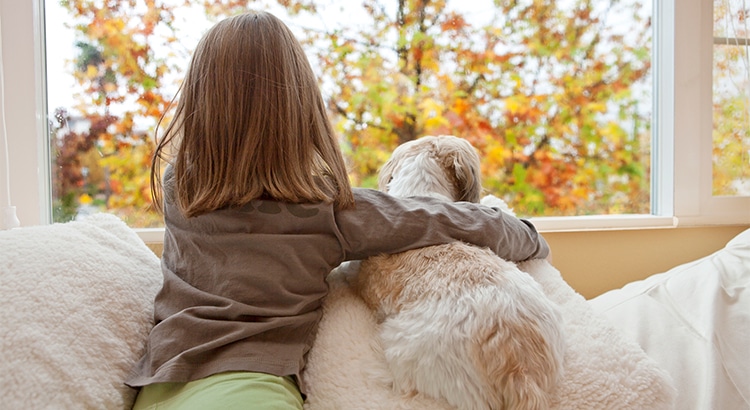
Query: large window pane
point(556, 95)
point(731, 94)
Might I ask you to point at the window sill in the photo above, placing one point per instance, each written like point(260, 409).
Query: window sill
point(635, 222)
point(601, 222)
point(150, 235)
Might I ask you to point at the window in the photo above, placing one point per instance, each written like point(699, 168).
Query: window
point(731, 97)
point(689, 145)
point(681, 182)
point(556, 96)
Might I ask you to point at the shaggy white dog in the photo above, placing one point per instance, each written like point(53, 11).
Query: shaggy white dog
point(457, 322)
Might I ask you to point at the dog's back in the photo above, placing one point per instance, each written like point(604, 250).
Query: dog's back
point(461, 324)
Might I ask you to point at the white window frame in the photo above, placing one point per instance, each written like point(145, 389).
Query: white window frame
point(681, 153)
point(23, 62)
point(694, 203)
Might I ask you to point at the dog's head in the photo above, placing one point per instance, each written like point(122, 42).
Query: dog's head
point(443, 166)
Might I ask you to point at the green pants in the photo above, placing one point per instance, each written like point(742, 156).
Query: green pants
point(225, 391)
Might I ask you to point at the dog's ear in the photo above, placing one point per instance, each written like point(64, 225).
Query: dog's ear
point(386, 172)
point(466, 167)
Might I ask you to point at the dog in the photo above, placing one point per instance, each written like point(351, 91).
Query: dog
point(457, 322)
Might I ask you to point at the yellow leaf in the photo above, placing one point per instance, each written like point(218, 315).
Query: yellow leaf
point(597, 107)
point(430, 109)
point(435, 122)
point(512, 105)
point(91, 71)
point(497, 154)
point(581, 192)
point(85, 199)
point(517, 104)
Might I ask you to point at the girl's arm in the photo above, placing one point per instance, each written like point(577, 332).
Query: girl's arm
point(381, 223)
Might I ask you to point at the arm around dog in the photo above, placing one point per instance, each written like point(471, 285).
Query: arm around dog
point(381, 223)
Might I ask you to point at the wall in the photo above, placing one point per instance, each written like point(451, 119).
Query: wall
point(594, 262)
point(597, 261)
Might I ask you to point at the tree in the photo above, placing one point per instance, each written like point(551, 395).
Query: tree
point(550, 94)
point(122, 80)
point(128, 69)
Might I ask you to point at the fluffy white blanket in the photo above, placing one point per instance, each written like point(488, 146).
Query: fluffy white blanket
point(603, 368)
point(77, 306)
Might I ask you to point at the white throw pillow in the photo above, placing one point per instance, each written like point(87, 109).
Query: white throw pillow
point(694, 320)
point(77, 305)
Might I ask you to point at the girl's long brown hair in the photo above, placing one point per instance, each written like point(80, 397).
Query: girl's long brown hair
point(250, 123)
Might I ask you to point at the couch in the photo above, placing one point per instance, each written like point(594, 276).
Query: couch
point(78, 304)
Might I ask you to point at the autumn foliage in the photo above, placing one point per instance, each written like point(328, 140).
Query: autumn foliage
point(555, 95)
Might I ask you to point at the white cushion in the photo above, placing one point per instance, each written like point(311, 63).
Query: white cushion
point(77, 304)
point(694, 320)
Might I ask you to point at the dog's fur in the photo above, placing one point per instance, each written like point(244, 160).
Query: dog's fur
point(458, 322)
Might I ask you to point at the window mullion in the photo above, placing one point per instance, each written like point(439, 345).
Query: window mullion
point(662, 141)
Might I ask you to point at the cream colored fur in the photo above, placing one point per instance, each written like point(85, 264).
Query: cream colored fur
point(459, 323)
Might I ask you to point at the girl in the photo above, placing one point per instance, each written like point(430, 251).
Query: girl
point(258, 210)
